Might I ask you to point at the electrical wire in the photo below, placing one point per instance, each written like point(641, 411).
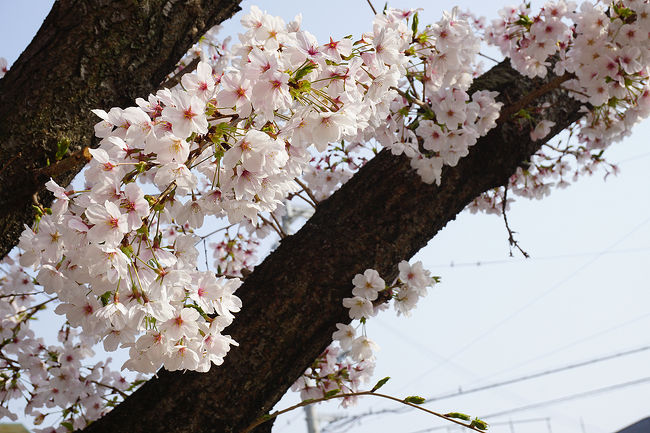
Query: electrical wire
point(554, 401)
point(539, 374)
point(572, 344)
point(513, 260)
point(570, 397)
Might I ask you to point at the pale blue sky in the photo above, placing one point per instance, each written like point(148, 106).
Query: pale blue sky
point(497, 321)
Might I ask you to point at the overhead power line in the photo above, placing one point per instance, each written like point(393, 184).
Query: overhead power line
point(570, 397)
point(539, 374)
point(572, 344)
point(555, 401)
point(513, 260)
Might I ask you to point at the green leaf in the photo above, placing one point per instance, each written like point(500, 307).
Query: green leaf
point(62, 147)
point(415, 399)
point(135, 384)
point(381, 383)
point(458, 415)
point(68, 425)
point(105, 298)
point(127, 250)
point(479, 424)
point(331, 393)
point(300, 73)
point(524, 114)
point(414, 24)
point(38, 210)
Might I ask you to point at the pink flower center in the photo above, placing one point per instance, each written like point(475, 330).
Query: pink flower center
point(189, 114)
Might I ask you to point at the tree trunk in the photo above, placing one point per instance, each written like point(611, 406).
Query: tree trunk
point(292, 301)
point(87, 54)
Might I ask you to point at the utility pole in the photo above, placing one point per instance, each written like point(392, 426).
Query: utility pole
point(312, 419)
point(293, 213)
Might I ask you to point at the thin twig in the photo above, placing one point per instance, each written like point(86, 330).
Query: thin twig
point(532, 96)
point(422, 104)
point(307, 190)
point(374, 11)
point(164, 194)
point(488, 57)
point(176, 78)
point(284, 235)
point(277, 230)
point(297, 194)
point(214, 232)
point(354, 394)
point(15, 295)
point(511, 234)
point(117, 390)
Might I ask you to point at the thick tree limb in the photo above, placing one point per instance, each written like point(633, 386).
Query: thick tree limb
point(292, 301)
point(88, 54)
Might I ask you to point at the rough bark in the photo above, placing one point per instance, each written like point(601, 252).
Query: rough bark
point(88, 54)
point(292, 301)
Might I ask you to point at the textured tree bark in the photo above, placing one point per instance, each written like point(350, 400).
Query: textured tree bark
point(292, 301)
point(88, 54)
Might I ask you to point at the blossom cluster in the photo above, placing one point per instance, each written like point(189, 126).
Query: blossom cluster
point(234, 254)
point(437, 125)
point(601, 50)
point(351, 362)
point(604, 48)
point(228, 143)
point(58, 382)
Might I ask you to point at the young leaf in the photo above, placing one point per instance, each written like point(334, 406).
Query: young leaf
point(381, 383)
point(414, 24)
point(479, 424)
point(62, 148)
point(300, 73)
point(105, 298)
point(415, 399)
point(458, 415)
point(331, 393)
